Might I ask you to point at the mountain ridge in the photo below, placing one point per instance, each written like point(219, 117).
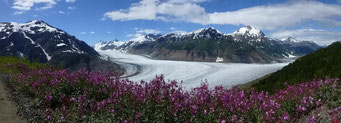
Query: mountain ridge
point(245, 45)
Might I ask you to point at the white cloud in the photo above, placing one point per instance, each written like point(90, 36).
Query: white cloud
point(171, 10)
point(321, 37)
point(145, 9)
point(61, 12)
point(109, 32)
point(84, 33)
point(70, 1)
point(148, 31)
point(184, 1)
point(25, 5)
point(172, 28)
point(140, 32)
point(281, 15)
point(71, 7)
point(273, 16)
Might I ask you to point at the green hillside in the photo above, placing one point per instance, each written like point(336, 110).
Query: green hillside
point(320, 64)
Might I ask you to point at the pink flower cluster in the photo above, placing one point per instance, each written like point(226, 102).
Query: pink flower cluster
point(86, 96)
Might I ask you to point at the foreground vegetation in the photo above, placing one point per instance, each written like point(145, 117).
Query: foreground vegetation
point(91, 96)
point(322, 63)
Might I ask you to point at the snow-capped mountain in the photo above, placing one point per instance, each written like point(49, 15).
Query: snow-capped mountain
point(45, 40)
point(141, 39)
point(105, 45)
point(247, 45)
point(299, 47)
point(290, 39)
point(201, 33)
point(207, 33)
point(38, 41)
point(31, 27)
point(248, 33)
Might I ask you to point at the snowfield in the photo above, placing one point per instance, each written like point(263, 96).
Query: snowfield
point(191, 73)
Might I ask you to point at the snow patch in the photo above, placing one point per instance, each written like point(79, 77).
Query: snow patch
point(68, 51)
point(73, 51)
point(291, 56)
point(32, 42)
point(61, 44)
point(11, 44)
point(21, 55)
point(219, 59)
point(249, 30)
point(48, 57)
point(99, 45)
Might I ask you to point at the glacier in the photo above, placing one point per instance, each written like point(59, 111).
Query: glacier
point(190, 74)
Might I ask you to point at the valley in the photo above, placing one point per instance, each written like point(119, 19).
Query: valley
point(170, 61)
point(191, 73)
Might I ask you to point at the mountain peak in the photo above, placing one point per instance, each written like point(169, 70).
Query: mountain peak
point(144, 37)
point(207, 33)
point(249, 30)
point(210, 29)
point(107, 45)
point(36, 22)
point(248, 33)
point(32, 27)
point(290, 39)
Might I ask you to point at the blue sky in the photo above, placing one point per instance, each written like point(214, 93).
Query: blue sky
point(95, 20)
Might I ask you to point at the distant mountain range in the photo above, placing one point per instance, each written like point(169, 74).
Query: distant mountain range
point(246, 45)
point(38, 41)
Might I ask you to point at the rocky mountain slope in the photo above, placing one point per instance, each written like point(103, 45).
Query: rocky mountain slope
point(38, 41)
point(246, 45)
